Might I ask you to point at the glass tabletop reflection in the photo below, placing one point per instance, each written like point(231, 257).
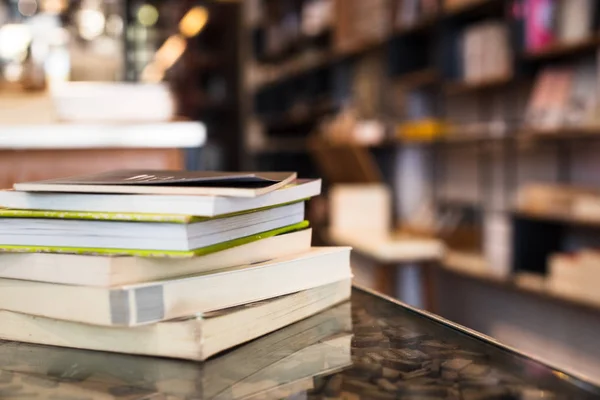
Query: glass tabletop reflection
point(368, 348)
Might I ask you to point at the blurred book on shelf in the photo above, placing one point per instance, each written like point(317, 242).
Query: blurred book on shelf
point(360, 23)
point(374, 232)
point(545, 23)
point(345, 200)
point(575, 20)
point(540, 22)
point(424, 130)
point(575, 275)
point(348, 127)
point(486, 52)
point(564, 96)
point(560, 202)
point(408, 13)
point(549, 98)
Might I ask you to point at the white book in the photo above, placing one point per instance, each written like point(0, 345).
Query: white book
point(104, 271)
point(146, 303)
point(136, 231)
point(195, 338)
point(208, 206)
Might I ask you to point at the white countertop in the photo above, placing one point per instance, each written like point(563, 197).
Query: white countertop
point(98, 135)
point(388, 249)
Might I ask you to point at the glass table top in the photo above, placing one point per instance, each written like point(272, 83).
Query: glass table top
point(368, 348)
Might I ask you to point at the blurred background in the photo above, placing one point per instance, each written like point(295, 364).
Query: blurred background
point(458, 140)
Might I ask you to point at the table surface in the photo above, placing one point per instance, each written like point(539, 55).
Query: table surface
point(368, 348)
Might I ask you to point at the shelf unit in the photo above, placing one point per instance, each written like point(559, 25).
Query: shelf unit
point(415, 58)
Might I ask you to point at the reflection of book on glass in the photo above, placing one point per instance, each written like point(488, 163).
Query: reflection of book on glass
point(194, 338)
point(207, 206)
point(312, 347)
point(139, 231)
point(145, 303)
point(203, 183)
point(103, 270)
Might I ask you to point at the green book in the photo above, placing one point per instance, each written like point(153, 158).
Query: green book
point(155, 253)
point(142, 233)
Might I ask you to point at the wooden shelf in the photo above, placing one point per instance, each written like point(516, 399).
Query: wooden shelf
point(470, 6)
point(293, 68)
point(557, 218)
point(565, 133)
point(282, 145)
point(469, 139)
point(463, 87)
point(513, 285)
point(557, 50)
point(308, 62)
point(293, 119)
point(423, 77)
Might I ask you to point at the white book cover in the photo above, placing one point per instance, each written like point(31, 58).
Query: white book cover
point(203, 206)
point(110, 270)
point(138, 231)
point(194, 338)
point(147, 303)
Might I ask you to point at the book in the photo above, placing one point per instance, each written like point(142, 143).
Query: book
point(550, 98)
point(540, 23)
point(146, 303)
point(575, 20)
point(315, 346)
point(194, 338)
point(486, 52)
point(96, 251)
point(138, 231)
point(203, 183)
point(207, 206)
point(113, 270)
point(582, 102)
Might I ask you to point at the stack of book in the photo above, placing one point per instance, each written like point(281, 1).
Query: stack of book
point(163, 263)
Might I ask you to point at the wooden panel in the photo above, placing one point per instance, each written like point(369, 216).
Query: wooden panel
point(344, 162)
point(26, 165)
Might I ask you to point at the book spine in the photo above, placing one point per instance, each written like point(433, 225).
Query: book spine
point(540, 20)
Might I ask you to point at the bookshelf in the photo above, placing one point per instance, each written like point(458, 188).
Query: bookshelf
point(563, 50)
point(462, 87)
point(422, 61)
point(419, 78)
point(567, 133)
point(470, 6)
point(515, 286)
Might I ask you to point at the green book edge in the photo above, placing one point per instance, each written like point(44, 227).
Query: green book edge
point(156, 253)
point(126, 217)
